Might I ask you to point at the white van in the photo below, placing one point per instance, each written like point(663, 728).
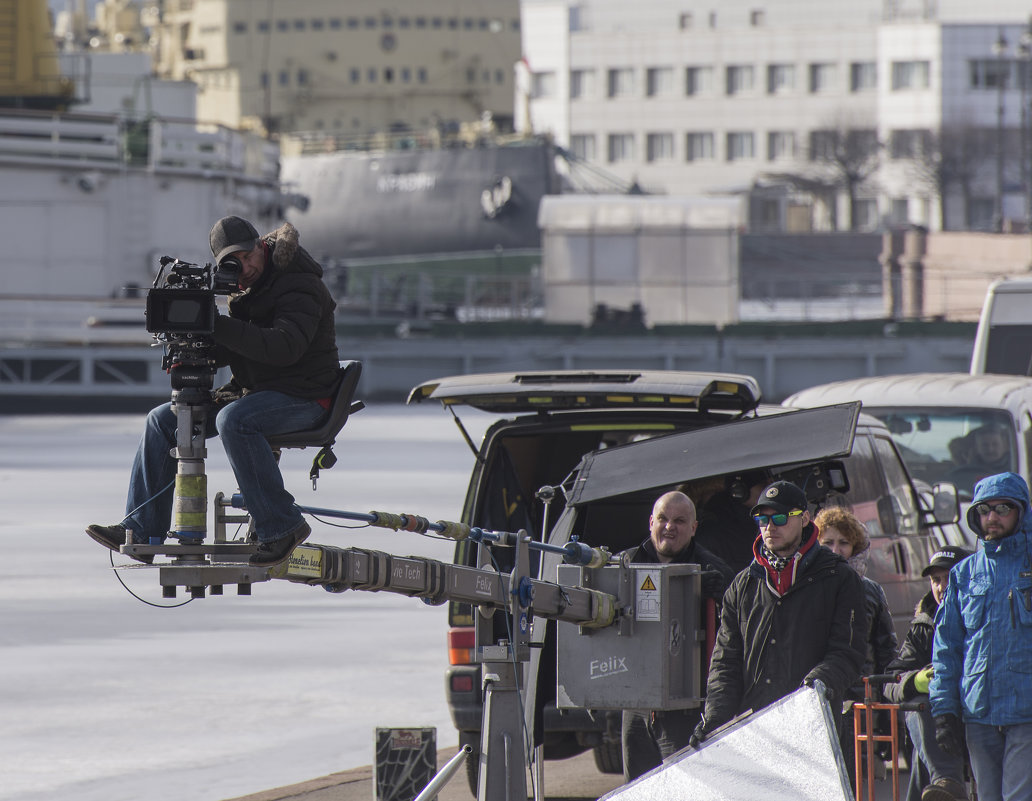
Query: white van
point(953, 427)
point(1003, 342)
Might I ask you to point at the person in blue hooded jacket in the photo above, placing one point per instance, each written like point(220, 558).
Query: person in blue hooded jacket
point(981, 685)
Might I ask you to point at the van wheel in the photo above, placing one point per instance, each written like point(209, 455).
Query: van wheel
point(608, 757)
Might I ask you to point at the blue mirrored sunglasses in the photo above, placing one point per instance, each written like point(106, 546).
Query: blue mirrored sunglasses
point(778, 519)
point(1002, 509)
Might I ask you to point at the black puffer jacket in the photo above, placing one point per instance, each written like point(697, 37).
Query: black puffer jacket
point(280, 333)
point(915, 654)
point(768, 645)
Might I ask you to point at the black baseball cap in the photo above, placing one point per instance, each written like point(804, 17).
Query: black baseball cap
point(946, 557)
point(781, 496)
point(229, 235)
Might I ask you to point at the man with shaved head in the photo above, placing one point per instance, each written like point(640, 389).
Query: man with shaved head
point(650, 736)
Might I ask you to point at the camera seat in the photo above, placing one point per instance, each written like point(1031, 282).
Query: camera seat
point(342, 405)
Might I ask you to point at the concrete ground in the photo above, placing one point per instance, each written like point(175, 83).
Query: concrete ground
point(575, 779)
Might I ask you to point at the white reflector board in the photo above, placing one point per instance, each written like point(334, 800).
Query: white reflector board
point(790, 749)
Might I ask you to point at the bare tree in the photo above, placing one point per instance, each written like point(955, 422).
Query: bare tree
point(839, 157)
point(951, 159)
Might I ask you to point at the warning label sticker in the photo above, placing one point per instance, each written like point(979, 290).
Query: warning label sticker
point(647, 595)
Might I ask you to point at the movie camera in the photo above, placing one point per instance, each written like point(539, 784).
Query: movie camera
point(181, 315)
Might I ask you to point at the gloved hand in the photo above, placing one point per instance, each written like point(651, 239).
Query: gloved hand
point(816, 684)
point(712, 585)
point(921, 680)
point(227, 393)
point(699, 735)
point(949, 735)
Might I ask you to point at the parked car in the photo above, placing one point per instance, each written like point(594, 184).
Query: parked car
point(953, 427)
point(607, 444)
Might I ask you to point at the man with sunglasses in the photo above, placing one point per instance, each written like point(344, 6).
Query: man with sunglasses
point(794, 615)
point(981, 684)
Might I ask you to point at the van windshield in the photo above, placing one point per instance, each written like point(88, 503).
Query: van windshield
point(956, 445)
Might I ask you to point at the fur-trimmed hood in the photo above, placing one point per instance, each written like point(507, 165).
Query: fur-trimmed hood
point(287, 253)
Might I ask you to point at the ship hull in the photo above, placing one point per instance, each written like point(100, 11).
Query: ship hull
point(404, 203)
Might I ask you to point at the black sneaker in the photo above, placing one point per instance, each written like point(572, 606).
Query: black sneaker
point(276, 551)
point(113, 538)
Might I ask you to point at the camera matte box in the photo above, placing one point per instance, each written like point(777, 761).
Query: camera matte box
point(180, 311)
point(653, 658)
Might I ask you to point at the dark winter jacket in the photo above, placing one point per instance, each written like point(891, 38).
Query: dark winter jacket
point(692, 554)
point(881, 633)
point(768, 644)
point(280, 333)
point(915, 654)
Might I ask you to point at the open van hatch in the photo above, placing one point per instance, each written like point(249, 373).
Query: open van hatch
point(506, 393)
point(808, 435)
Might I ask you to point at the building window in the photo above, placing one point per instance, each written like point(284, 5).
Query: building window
point(302, 77)
point(299, 25)
point(780, 145)
point(471, 77)
point(698, 146)
point(371, 75)
point(659, 81)
point(757, 18)
point(239, 27)
point(990, 74)
point(499, 76)
point(620, 147)
point(910, 75)
point(739, 78)
point(583, 146)
point(263, 26)
point(284, 78)
point(698, 81)
point(620, 82)
point(780, 78)
point(822, 78)
point(582, 84)
point(909, 143)
point(900, 211)
point(370, 22)
point(421, 75)
point(740, 145)
point(659, 147)
point(863, 76)
point(282, 25)
point(406, 75)
point(823, 145)
point(355, 75)
point(866, 210)
point(353, 23)
point(542, 84)
point(684, 20)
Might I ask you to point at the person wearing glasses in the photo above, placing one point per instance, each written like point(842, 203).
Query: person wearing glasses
point(981, 683)
point(794, 616)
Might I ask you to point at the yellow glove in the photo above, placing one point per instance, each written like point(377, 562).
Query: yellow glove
point(921, 680)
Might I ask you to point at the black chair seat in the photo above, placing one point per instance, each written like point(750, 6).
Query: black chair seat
point(342, 406)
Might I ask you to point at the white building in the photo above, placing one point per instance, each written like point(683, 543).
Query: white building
point(792, 101)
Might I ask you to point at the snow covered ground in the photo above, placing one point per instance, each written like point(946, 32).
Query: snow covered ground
point(103, 696)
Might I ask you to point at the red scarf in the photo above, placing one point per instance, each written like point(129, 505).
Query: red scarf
point(780, 580)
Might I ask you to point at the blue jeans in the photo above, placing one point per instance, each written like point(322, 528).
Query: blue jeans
point(938, 763)
point(243, 426)
point(1000, 759)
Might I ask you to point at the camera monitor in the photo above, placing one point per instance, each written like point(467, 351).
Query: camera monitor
point(180, 311)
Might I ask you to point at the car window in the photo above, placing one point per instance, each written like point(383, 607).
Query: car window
point(904, 505)
point(955, 445)
point(865, 484)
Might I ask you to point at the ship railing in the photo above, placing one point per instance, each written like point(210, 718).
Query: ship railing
point(156, 143)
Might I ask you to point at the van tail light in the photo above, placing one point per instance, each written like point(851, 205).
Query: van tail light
point(461, 645)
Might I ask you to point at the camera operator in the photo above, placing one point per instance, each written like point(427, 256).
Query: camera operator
point(280, 342)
